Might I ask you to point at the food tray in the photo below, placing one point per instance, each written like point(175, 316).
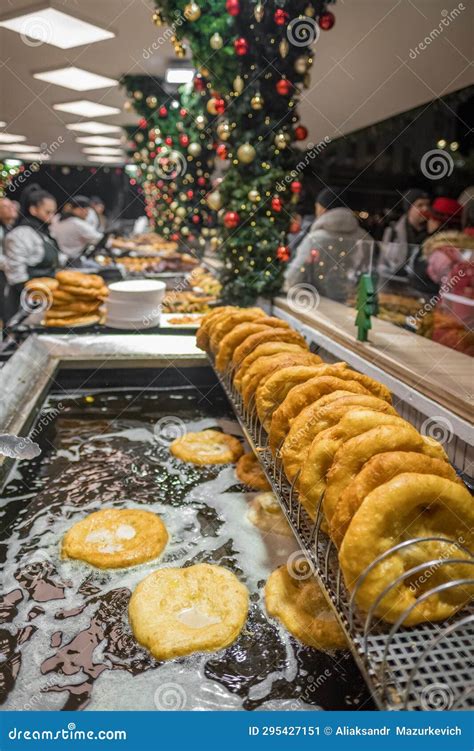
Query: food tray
point(424, 667)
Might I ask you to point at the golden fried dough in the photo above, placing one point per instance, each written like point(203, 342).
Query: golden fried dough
point(263, 350)
point(302, 608)
point(41, 283)
point(99, 293)
point(316, 417)
point(250, 473)
point(313, 479)
point(202, 335)
point(265, 513)
point(221, 327)
point(272, 335)
point(237, 335)
point(264, 367)
point(408, 506)
point(300, 396)
point(350, 458)
point(71, 321)
point(378, 470)
point(177, 611)
point(62, 310)
point(272, 391)
point(115, 538)
point(60, 297)
point(207, 447)
point(78, 279)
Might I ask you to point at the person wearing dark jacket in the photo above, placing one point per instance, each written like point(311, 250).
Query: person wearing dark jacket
point(400, 237)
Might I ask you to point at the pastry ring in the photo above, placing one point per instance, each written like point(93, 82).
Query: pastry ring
point(207, 447)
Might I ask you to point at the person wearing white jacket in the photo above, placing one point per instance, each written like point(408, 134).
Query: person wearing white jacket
point(330, 257)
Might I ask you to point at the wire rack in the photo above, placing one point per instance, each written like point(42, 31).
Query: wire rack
point(423, 667)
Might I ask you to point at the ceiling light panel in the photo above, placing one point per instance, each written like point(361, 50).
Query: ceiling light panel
point(18, 148)
point(50, 26)
point(85, 108)
point(10, 138)
point(106, 159)
point(104, 150)
point(99, 141)
point(94, 127)
point(75, 78)
point(35, 157)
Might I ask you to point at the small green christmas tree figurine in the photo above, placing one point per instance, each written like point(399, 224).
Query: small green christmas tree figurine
point(366, 305)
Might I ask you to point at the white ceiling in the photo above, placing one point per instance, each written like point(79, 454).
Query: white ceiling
point(362, 72)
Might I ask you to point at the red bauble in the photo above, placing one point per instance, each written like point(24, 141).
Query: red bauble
point(231, 219)
point(196, 218)
point(301, 132)
point(199, 83)
point(241, 46)
point(183, 112)
point(283, 253)
point(190, 194)
point(296, 186)
point(174, 237)
point(201, 181)
point(326, 20)
point(221, 151)
point(143, 122)
point(219, 104)
point(232, 7)
point(281, 17)
point(163, 112)
point(169, 141)
point(277, 203)
point(283, 86)
point(184, 139)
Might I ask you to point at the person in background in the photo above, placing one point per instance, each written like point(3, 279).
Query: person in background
point(444, 224)
point(96, 213)
point(329, 257)
point(8, 217)
point(444, 251)
point(30, 251)
point(410, 229)
point(74, 233)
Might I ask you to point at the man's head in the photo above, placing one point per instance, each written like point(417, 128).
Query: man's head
point(7, 212)
point(416, 204)
point(97, 204)
point(328, 199)
point(79, 206)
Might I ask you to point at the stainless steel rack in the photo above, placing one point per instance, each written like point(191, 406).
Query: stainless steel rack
point(424, 667)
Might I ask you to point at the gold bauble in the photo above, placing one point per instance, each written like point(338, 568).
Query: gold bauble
point(128, 106)
point(181, 211)
point(216, 42)
point(239, 84)
point(151, 101)
point(139, 137)
point(204, 72)
point(214, 243)
point(281, 140)
point(201, 122)
point(180, 51)
point(283, 47)
point(246, 153)
point(157, 18)
point(254, 196)
point(185, 231)
point(301, 64)
point(174, 205)
point(138, 95)
point(224, 130)
point(309, 11)
point(211, 106)
point(214, 200)
point(257, 102)
point(192, 12)
point(194, 149)
point(259, 12)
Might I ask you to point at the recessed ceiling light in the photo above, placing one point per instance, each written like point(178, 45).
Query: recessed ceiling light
point(99, 141)
point(50, 26)
point(19, 148)
point(106, 159)
point(179, 75)
point(35, 157)
point(2, 124)
point(10, 138)
point(104, 150)
point(85, 108)
point(94, 127)
point(75, 78)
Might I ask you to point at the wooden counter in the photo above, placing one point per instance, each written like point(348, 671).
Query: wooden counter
point(439, 373)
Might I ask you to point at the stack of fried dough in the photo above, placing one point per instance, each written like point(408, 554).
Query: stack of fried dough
point(374, 479)
point(74, 298)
